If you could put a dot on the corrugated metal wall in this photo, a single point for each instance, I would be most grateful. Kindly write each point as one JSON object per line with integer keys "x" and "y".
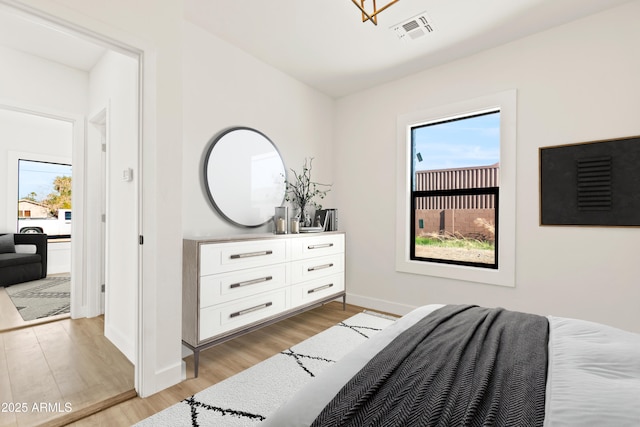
{"x": 451, "y": 179}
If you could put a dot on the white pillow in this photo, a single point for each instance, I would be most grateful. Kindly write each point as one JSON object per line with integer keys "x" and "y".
{"x": 26, "y": 249}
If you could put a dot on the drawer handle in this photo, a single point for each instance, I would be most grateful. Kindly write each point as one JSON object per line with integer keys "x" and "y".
{"x": 321, "y": 288}
{"x": 250, "y": 310}
{"x": 320, "y": 267}
{"x": 250, "y": 254}
{"x": 324, "y": 245}
{"x": 251, "y": 282}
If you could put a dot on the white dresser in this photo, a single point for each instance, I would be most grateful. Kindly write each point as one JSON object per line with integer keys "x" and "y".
{"x": 232, "y": 286}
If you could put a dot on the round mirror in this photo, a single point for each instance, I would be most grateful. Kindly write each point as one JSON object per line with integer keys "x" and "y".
{"x": 244, "y": 176}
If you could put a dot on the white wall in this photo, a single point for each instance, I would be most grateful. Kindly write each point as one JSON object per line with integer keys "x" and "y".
{"x": 58, "y": 257}
{"x": 113, "y": 86}
{"x": 575, "y": 83}
{"x": 225, "y": 87}
{"x": 30, "y": 80}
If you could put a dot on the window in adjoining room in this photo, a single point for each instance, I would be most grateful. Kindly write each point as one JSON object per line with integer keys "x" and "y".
{"x": 455, "y": 190}
{"x": 44, "y": 198}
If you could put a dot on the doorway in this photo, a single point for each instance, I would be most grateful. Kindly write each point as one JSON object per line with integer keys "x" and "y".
{"x": 106, "y": 209}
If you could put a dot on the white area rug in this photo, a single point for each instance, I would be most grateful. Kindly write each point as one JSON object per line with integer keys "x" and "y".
{"x": 42, "y": 298}
{"x": 249, "y": 397}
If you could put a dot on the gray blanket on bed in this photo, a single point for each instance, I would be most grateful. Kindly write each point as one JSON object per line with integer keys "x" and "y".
{"x": 458, "y": 366}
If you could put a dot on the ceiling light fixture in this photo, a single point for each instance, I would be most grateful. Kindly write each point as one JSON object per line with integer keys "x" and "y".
{"x": 371, "y": 16}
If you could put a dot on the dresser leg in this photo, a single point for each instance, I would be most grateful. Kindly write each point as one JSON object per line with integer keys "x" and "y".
{"x": 196, "y": 361}
{"x": 344, "y": 302}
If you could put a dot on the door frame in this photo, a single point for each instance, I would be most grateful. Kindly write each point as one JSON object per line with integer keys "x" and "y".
{"x": 96, "y": 143}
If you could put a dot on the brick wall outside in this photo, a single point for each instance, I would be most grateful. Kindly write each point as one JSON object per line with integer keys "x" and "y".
{"x": 456, "y": 221}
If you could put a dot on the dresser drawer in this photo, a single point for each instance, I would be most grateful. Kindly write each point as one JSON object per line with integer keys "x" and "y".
{"x": 222, "y": 257}
{"x": 309, "y": 269}
{"x": 222, "y": 318}
{"x": 219, "y": 288}
{"x": 317, "y": 245}
{"x": 310, "y": 291}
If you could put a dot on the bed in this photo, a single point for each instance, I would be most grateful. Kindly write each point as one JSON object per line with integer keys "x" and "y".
{"x": 468, "y": 365}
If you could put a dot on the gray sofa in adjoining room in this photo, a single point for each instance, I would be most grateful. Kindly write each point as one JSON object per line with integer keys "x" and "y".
{"x": 22, "y": 266}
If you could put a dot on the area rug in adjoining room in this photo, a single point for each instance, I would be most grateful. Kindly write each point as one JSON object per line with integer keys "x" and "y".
{"x": 247, "y": 398}
{"x": 42, "y": 298}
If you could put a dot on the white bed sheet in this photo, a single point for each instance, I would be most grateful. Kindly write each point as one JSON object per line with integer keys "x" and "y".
{"x": 593, "y": 377}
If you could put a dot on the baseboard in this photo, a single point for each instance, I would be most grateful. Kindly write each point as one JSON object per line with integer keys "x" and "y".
{"x": 379, "y": 304}
{"x": 186, "y": 352}
{"x": 169, "y": 376}
{"x": 121, "y": 342}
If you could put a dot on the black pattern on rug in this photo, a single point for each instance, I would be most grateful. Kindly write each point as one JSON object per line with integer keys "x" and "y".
{"x": 195, "y": 404}
{"x": 359, "y": 329}
{"x": 299, "y": 357}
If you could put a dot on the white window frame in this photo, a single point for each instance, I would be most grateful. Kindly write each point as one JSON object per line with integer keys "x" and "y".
{"x": 504, "y": 275}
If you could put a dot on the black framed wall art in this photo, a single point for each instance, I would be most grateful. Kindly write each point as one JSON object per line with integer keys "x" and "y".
{"x": 594, "y": 183}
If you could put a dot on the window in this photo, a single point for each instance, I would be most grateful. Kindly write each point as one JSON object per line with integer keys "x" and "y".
{"x": 456, "y": 191}
{"x": 44, "y": 198}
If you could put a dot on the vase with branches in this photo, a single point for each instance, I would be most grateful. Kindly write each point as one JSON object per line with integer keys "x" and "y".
{"x": 301, "y": 191}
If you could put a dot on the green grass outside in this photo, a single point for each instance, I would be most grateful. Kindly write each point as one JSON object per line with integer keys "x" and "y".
{"x": 454, "y": 243}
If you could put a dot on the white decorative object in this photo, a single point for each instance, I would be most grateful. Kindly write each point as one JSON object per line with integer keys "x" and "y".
{"x": 280, "y": 220}
{"x": 295, "y": 226}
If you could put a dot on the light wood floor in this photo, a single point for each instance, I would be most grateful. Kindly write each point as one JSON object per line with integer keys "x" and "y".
{"x": 67, "y": 362}
{"x": 225, "y": 360}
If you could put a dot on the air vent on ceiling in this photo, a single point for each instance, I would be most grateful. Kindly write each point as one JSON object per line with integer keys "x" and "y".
{"x": 414, "y": 28}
